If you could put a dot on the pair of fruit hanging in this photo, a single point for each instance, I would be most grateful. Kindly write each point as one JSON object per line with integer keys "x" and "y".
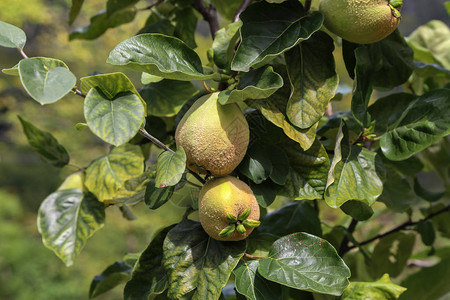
{"x": 215, "y": 137}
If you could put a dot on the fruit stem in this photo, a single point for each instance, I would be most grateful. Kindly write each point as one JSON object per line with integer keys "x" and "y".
{"x": 206, "y": 87}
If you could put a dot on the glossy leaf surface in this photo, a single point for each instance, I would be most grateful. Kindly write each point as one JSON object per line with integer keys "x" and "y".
{"x": 303, "y": 261}
{"x": 66, "y": 219}
{"x": 196, "y": 262}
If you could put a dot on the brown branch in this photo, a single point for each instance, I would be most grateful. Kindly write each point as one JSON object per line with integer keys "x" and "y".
{"x": 308, "y": 5}
{"x": 241, "y": 8}
{"x": 154, "y": 140}
{"x": 400, "y": 227}
{"x": 78, "y": 92}
{"x": 209, "y": 15}
{"x": 344, "y": 244}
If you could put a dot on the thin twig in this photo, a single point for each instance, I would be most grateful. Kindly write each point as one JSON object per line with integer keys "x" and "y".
{"x": 189, "y": 210}
{"x": 76, "y": 166}
{"x": 162, "y": 145}
{"x": 198, "y": 177}
{"x": 151, "y": 5}
{"x": 78, "y": 92}
{"x": 308, "y": 5}
{"x": 154, "y": 140}
{"x": 344, "y": 244}
{"x": 209, "y": 15}
{"x": 241, "y": 8}
{"x": 400, "y": 227}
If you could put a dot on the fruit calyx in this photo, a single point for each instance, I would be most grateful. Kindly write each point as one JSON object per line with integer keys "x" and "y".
{"x": 239, "y": 223}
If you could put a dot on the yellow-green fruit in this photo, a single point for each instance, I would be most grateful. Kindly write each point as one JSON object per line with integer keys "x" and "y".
{"x": 214, "y": 136}
{"x": 359, "y": 21}
{"x": 220, "y": 197}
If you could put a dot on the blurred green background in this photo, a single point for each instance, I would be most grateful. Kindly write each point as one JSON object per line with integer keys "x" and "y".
{"x": 28, "y": 270}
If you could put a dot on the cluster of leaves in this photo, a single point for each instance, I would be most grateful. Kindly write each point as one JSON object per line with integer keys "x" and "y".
{"x": 278, "y": 65}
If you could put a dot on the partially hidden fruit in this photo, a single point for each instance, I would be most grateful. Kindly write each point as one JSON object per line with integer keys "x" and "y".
{"x": 215, "y": 137}
{"x": 361, "y": 21}
{"x": 228, "y": 209}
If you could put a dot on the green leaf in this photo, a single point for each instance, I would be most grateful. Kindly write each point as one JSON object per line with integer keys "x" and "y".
{"x": 391, "y": 254}
{"x": 147, "y": 78}
{"x": 132, "y": 191}
{"x": 196, "y": 262}
{"x": 165, "y": 98}
{"x": 117, "y": 120}
{"x": 75, "y": 10}
{"x": 274, "y": 110}
{"x": 251, "y": 284}
{"x": 106, "y": 175}
{"x": 306, "y": 262}
{"x": 387, "y": 110}
{"x": 382, "y": 289}
{"x": 110, "y": 84}
{"x": 170, "y": 168}
{"x": 386, "y": 64}
{"x": 256, "y": 84}
{"x": 224, "y": 43}
{"x": 227, "y": 9}
{"x": 45, "y": 144}
{"x": 66, "y": 219}
{"x": 427, "y": 233}
{"x": 280, "y": 163}
{"x": 430, "y": 70}
{"x": 111, "y": 277}
{"x": 149, "y": 276}
{"x": 424, "y": 122}
{"x": 297, "y": 216}
{"x": 155, "y": 197}
{"x": 265, "y": 193}
{"x": 354, "y": 174}
{"x": 46, "y": 81}
{"x": 313, "y": 78}
{"x": 159, "y": 55}
{"x": 430, "y": 43}
{"x": 308, "y": 173}
{"x": 185, "y": 25}
{"x": 13, "y": 71}
{"x": 271, "y": 29}
{"x": 357, "y": 210}
{"x": 256, "y": 164}
{"x": 101, "y": 22}
{"x": 426, "y": 194}
{"x": 113, "y": 6}
{"x": 11, "y": 36}
{"x": 428, "y": 283}
{"x": 397, "y": 193}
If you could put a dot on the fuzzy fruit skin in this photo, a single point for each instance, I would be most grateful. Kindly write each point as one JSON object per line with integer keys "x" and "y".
{"x": 222, "y": 196}
{"x": 215, "y": 137}
{"x": 359, "y": 21}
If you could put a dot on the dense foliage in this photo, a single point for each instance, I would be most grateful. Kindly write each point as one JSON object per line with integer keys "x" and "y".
{"x": 276, "y": 61}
